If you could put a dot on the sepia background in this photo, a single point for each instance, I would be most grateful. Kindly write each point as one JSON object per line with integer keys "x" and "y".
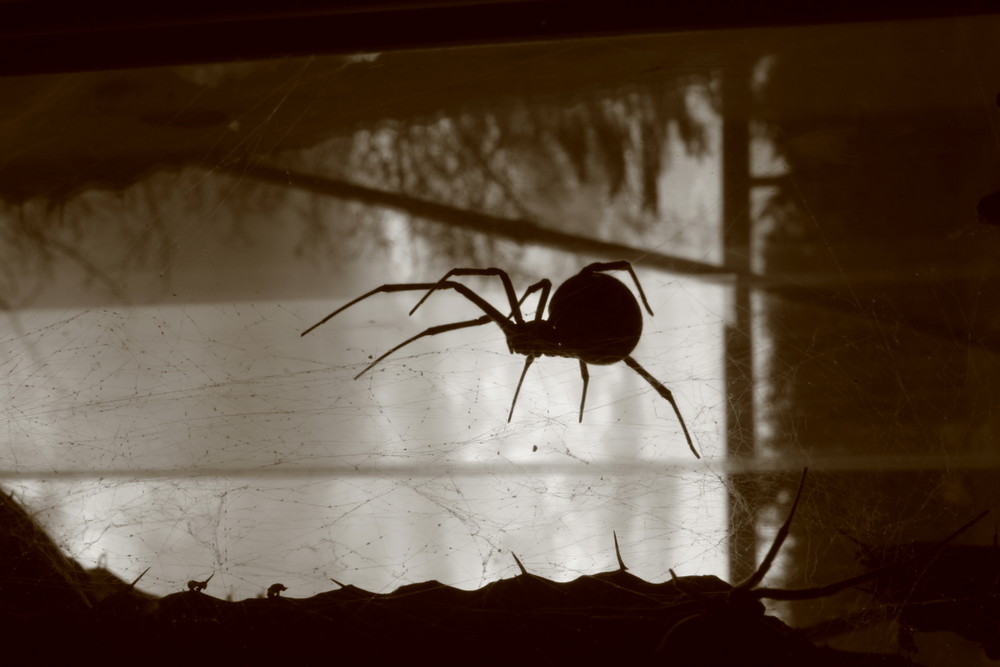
{"x": 800, "y": 206}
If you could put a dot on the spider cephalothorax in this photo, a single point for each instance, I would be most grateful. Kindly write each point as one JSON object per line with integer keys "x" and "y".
{"x": 593, "y": 318}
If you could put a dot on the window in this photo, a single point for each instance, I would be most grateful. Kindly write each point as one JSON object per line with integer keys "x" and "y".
{"x": 800, "y": 208}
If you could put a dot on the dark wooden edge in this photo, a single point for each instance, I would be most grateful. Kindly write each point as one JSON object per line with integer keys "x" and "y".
{"x": 38, "y": 36}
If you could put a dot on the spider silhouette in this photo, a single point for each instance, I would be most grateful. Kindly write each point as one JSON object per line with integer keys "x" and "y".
{"x": 593, "y": 318}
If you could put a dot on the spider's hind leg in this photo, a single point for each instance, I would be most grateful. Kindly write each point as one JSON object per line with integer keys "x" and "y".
{"x": 665, "y": 393}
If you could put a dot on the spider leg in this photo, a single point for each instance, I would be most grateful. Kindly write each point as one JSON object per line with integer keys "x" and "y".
{"x": 619, "y": 266}
{"x": 524, "y": 371}
{"x": 433, "y": 331}
{"x": 545, "y": 285}
{"x": 586, "y": 380}
{"x": 508, "y": 287}
{"x": 665, "y": 393}
{"x": 483, "y": 304}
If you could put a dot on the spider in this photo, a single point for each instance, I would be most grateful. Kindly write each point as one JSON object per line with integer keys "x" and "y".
{"x": 593, "y": 318}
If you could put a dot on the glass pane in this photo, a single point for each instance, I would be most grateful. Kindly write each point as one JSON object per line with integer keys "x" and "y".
{"x": 807, "y": 211}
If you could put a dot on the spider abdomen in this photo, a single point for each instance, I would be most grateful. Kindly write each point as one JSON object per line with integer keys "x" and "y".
{"x": 595, "y": 318}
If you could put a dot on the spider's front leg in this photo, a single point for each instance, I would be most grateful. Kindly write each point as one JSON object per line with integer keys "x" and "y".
{"x": 483, "y": 304}
{"x": 508, "y": 288}
{"x": 545, "y": 286}
{"x": 491, "y": 314}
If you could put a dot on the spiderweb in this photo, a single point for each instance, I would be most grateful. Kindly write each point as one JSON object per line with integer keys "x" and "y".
{"x": 163, "y": 412}
{"x": 228, "y": 439}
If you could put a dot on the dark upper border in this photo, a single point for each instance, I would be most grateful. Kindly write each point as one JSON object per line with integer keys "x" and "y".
{"x": 38, "y": 36}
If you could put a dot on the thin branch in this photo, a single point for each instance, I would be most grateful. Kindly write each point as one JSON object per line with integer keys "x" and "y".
{"x": 519, "y": 230}
{"x": 810, "y": 290}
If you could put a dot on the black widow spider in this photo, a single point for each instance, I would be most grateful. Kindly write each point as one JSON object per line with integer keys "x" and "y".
{"x": 593, "y": 318}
